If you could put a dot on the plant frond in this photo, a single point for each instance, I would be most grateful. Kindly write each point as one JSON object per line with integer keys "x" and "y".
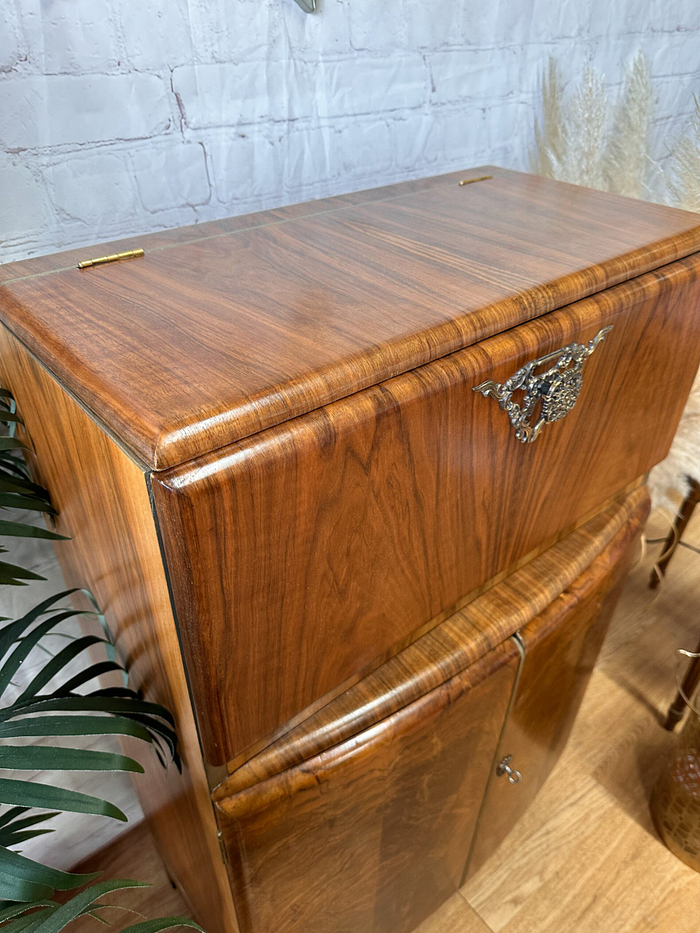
{"x": 585, "y": 132}
{"x": 12, "y": 575}
{"x": 626, "y": 158}
{"x": 73, "y": 726}
{"x": 20, "y": 530}
{"x": 55, "y": 920}
{"x": 58, "y": 758}
{"x": 24, "y": 646}
{"x": 684, "y": 178}
{"x": 58, "y": 662}
{"x": 547, "y": 157}
{"x": 48, "y": 797}
{"x": 10, "y": 500}
{"x": 26, "y": 886}
{"x": 17, "y": 828}
{"x": 14, "y": 865}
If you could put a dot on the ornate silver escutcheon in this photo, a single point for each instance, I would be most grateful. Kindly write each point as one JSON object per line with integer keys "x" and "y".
{"x": 556, "y": 390}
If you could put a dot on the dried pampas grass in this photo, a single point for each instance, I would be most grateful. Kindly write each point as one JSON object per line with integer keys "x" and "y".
{"x": 685, "y": 166}
{"x": 586, "y": 122}
{"x": 581, "y": 139}
{"x": 627, "y": 161}
{"x": 550, "y": 143}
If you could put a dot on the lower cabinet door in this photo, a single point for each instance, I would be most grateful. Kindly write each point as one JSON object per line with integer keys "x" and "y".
{"x": 561, "y": 647}
{"x": 370, "y": 831}
{"x": 374, "y": 834}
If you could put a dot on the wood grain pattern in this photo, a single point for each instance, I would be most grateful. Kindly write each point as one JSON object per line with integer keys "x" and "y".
{"x": 389, "y": 811}
{"x": 455, "y": 916}
{"x": 561, "y": 646}
{"x": 299, "y": 556}
{"x": 213, "y": 339}
{"x": 103, "y": 504}
{"x": 618, "y": 874}
{"x": 585, "y": 857}
{"x": 371, "y": 836}
{"x": 459, "y": 641}
{"x": 166, "y": 239}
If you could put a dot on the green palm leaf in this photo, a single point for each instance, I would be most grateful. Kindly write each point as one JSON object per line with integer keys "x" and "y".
{"x": 74, "y": 725}
{"x": 18, "y": 530}
{"x": 64, "y": 657}
{"x": 14, "y": 816}
{"x": 9, "y": 462}
{"x": 90, "y": 673}
{"x": 15, "y": 838}
{"x": 24, "y": 487}
{"x": 33, "y": 794}
{"x": 80, "y": 904}
{"x": 12, "y": 575}
{"x": 10, "y": 633}
{"x": 57, "y": 758}
{"x": 14, "y": 865}
{"x": 16, "y": 889}
{"x": 91, "y": 703}
{"x": 15, "y": 910}
{"x": 166, "y": 923}
{"x": 62, "y": 712}
{"x": 24, "y": 646}
{"x": 11, "y": 443}
{"x": 16, "y": 829}
{"x": 9, "y": 815}
{"x": 11, "y": 500}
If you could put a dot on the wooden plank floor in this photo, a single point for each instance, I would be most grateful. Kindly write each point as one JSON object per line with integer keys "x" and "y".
{"x": 585, "y": 858}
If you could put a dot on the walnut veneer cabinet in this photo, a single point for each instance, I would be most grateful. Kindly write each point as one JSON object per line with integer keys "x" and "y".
{"x": 357, "y": 483}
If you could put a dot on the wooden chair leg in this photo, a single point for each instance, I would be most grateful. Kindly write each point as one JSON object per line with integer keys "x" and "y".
{"x": 690, "y": 684}
{"x": 674, "y": 537}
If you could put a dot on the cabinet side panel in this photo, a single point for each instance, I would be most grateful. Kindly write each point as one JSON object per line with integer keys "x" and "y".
{"x": 103, "y": 503}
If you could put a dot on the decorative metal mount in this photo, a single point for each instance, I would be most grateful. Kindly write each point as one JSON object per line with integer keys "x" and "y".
{"x": 557, "y": 390}
{"x": 308, "y": 6}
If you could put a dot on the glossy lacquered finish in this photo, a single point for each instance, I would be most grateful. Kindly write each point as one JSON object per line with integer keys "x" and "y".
{"x": 315, "y": 541}
{"x": 561, "y": 646}
{"x": 452, "y": 646}
{"x": 209, "y": 339}
{"x": 103, "y": 504}
{"x": 318, "y": 547}
{"x": 372, "y": 834}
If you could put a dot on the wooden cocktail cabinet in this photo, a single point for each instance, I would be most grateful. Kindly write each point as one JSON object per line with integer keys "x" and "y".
{"x": 356, "y": 483}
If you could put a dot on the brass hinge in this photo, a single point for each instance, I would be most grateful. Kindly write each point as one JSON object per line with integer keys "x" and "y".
{"x": 470, "y": 181}
{"x": 115, "y": 257}
{"x": 222, "y": 847}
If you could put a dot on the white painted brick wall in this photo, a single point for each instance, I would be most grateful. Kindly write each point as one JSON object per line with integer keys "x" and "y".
{"x": 118, "y": 117}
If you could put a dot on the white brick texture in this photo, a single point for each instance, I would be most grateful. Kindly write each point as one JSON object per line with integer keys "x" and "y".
{"x": 119, "y": 118}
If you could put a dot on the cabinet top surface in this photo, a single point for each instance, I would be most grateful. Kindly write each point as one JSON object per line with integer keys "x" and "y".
{"x": 226, "y": 328}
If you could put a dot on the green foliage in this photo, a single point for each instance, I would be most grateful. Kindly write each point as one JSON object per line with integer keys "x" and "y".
{"x": 55, "y": 704}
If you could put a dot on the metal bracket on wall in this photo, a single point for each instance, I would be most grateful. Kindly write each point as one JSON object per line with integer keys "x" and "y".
{"x": 308, "y": 6}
